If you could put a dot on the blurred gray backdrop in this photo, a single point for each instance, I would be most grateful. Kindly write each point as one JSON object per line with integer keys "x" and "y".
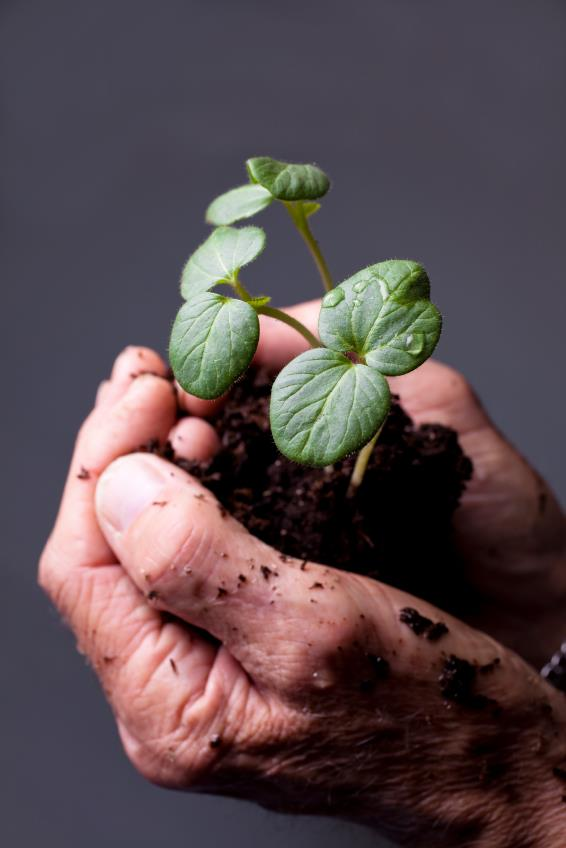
{"x": 443, "y": 126}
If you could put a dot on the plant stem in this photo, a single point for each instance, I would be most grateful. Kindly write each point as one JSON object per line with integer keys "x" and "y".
{"x": 241, "y": 290}
{"x": 279, "y": 315}
{"x": 300, "y": 220}
{"x": 362, "y": 464}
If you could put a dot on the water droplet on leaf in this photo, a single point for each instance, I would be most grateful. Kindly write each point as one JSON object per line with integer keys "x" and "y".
{"x": 361, "y": 286}
{"x": 414, "y": 343}
{"x": 333, "y": 298}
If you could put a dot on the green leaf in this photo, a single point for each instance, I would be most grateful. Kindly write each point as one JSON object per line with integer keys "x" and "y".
{"x": 405, "y": 336}
{"x": 287, "y": 181}
{"x": 403, "y": 278}
{"x": 220, "y": 257}
{"x": 383, "y": 314}
{"x": 212, "y": 342}
{"x": 309, "y": 208}
{"x": 324, "y": 407}
{"x": 237, "y": 204}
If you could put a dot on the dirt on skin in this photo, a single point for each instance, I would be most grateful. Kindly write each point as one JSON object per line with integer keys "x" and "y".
{"x": 397, "y": 528}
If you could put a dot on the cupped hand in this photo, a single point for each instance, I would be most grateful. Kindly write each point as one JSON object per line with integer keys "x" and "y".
{"x": 234, "y": 670}
{"x": 510, "y": 529}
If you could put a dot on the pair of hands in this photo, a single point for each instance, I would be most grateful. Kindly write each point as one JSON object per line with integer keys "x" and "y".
{"x": 227, "y": 682}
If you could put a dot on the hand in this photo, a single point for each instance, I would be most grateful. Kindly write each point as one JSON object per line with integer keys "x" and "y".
{"x": 233, "y": 670}
{"x": 510, "y": 529}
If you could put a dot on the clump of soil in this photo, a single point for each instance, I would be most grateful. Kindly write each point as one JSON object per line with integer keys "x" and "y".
{"x": 457, "y": 683}
{"x": 398, "y": 526}
{"x": 423, "y": 626}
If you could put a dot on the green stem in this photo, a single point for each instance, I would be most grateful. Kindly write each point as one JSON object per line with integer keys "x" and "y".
{"x": 362, "y": 464}
{"x": 300, "y": 220}
{"x": 278, "y": 314}
{"x": 241, "y": 290}
{"x": 272, "y": 312}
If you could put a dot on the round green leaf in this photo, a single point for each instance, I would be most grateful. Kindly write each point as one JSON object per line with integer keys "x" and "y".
{"x": 220, "y": 257}
{"x": 383, "y": 314}
{"x": 237, "y": 204}
{"x": 287, "y": 181}
{"x": 324, "y": 407}
{"x": 348, "y": 314}
{"x": 212, "y": 343}
{"x": 401, "y": 278}
{"x": 404, "y": 337}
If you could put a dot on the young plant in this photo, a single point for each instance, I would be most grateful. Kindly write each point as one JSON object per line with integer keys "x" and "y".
{"x": 333, "y": 399}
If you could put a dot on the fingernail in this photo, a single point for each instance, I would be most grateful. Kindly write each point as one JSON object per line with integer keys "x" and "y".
{"x": 127, "y": 487}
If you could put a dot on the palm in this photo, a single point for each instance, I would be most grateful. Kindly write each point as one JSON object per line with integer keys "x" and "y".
{"x": 510, "y": 530}
{"x": 508, "y": 515}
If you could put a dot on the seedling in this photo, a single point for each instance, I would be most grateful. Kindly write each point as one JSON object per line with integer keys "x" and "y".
{"x": 333, "y": 399}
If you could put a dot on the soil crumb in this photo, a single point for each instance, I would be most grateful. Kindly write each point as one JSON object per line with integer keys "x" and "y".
{"x": 457, "y": 683}
{"x": 422, "y": 626}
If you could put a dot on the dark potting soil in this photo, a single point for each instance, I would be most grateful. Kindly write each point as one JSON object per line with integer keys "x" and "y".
{"x": 397, "y": 528}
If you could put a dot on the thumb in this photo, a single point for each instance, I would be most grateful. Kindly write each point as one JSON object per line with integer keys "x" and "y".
{"x": 189, "y": 557}
{"x": 298, "y": 629}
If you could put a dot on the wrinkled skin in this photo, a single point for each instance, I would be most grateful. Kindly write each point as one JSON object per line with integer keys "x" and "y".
{"x": 263, "y": 683}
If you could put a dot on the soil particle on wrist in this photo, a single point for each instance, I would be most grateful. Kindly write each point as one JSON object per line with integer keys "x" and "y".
{"x": 397, "y": 529}
{"x": 421, "y": 625}
{"x": 437, "y": 631}
{"x": 457, "y": 683}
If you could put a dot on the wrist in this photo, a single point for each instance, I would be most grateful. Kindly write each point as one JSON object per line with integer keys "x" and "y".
{"x": 516, "y": 798}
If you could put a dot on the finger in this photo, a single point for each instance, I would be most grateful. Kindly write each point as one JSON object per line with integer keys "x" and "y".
{"x": 279, "y": 343}
{"x": 146, "y": 411}
{"x": 194, "y": 439}
{"x": 437, "y": 392}
{"x": 126, "y": 640}
{"x": 197, "y": 406}
{"x": 131, "y": 363}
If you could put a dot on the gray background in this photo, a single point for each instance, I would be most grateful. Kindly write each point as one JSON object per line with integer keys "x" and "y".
{"x": 443, "y": 125}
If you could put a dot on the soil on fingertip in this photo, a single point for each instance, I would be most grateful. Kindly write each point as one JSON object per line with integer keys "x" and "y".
{"x": 397, "y": 528}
